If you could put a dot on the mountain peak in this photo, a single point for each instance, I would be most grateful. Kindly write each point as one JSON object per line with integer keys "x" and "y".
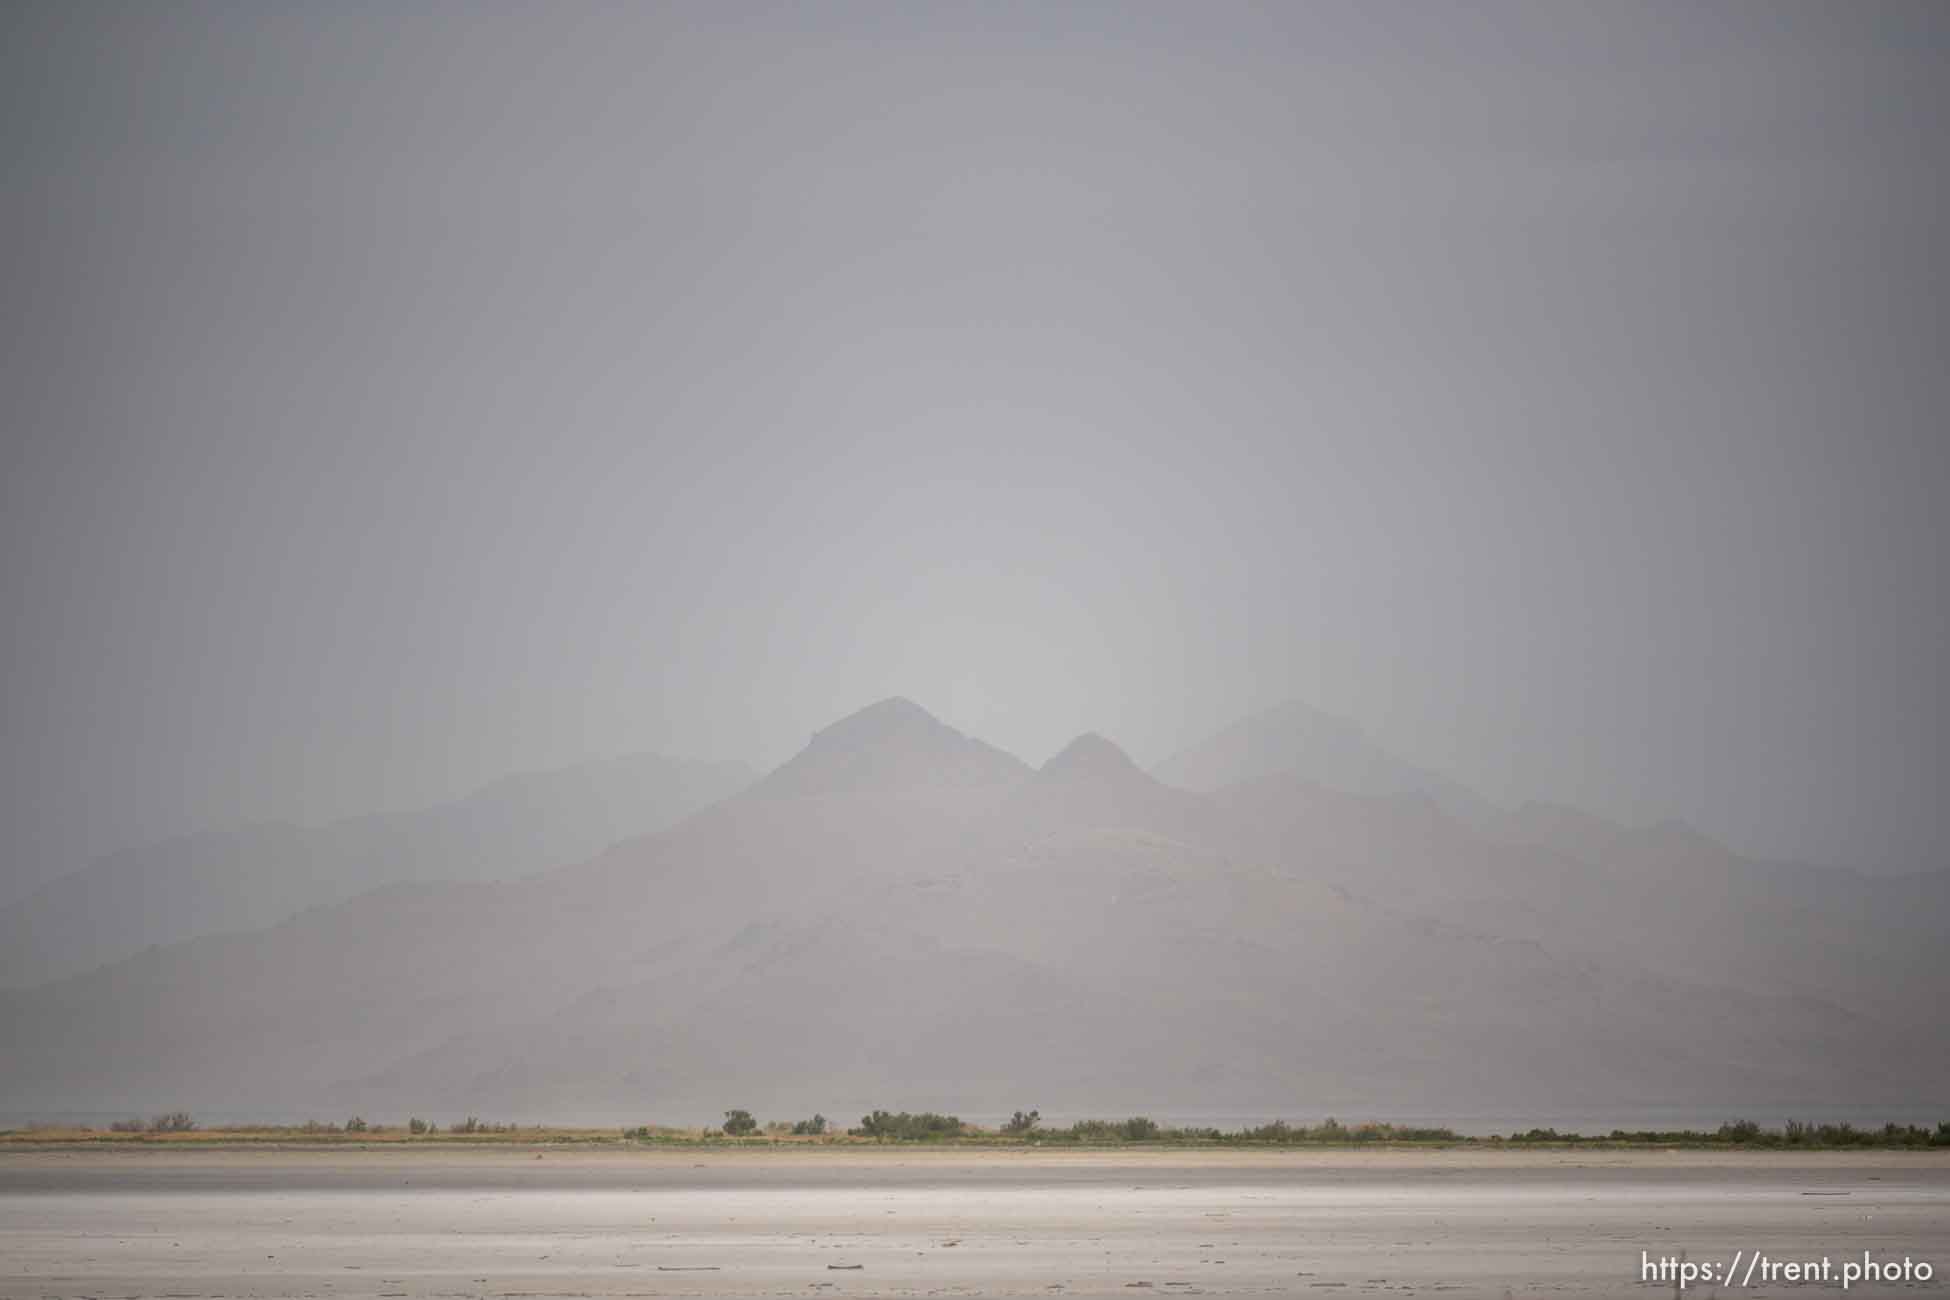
{"x": 885, "y": 721}
{"x": 1091, "y": 756}
{"x": 889, "y": 746}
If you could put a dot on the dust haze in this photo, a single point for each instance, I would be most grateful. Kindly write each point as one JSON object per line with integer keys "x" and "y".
{"x": 600, "y": 562}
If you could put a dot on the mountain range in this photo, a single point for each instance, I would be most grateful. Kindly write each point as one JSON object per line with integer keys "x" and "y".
{"x": 254, "y": 876}
{"x": 904, "y": 915}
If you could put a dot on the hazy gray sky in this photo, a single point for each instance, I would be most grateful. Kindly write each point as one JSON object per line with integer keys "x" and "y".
{"x": 397, "y": 396}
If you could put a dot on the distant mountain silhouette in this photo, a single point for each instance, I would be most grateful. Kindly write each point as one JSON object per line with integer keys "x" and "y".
{"x": 1296, "y": 740}
{"x": 902, "y": 915}
{"x": 256, "y": 875}
{"x": 892, "y": 745}
{"x": 1090, "y": 757}
{"x": 1091, "y": 782}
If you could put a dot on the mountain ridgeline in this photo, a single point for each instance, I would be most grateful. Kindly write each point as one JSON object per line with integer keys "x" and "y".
{"x": 1281, "y": 924}
{"x": 255, "y": 876}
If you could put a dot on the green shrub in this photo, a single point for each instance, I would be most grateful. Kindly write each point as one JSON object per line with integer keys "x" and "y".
{"x": 1022, "y": 1123}
{"x": 1427, "y": 1134}
{"x": 906, "y": 1127}
{"x": 1135, "y": 1129}
{"x": 1543, "y": 1135}
{"x": 814, "y": 1127}
{"x": 739, "y": 1123}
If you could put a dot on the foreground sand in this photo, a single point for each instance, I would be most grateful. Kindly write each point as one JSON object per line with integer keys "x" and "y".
{"x": 509, "y": 1221}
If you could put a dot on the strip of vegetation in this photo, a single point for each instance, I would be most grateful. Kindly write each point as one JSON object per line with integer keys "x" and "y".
{"x": 176, "y": 1121}
{"x": 1743, "y": 1132}
{"x": 1024, "y": 1128}
{"x": 1027, "y": 1127}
